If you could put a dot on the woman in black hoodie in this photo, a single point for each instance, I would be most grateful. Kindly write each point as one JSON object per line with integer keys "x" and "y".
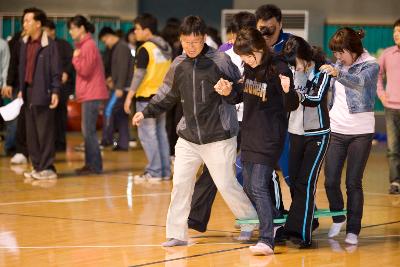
{"x": 268, "y": 95}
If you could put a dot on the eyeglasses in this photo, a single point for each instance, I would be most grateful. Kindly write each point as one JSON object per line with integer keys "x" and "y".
{"x": 192, "y": 43}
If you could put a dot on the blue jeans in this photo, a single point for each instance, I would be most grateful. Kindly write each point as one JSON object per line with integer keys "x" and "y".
{"x": 90, "y": 112}
{"x": 153, "y": 137}
{"x": 392, "y": 117}
{"x": 356, "y": 149}
{"x": 11, "y": 131}
{"x": 257, "y": 179}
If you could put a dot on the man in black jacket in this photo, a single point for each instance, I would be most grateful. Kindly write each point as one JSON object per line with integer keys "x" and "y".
{"x": 39, "y": 80}
{"x": 207, "y": 131}
{"x": 121, "y": 65}
{"x": 13, "y": 89}
{"x": 65, "y": 52}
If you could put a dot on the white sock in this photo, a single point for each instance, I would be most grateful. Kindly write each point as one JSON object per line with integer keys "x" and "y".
{"x": 335, "y": 229}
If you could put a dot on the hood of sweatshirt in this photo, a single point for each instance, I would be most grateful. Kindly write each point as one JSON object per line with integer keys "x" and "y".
{"x": 165, "y": 48}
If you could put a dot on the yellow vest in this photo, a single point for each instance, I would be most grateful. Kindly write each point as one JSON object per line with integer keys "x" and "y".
{"x": 155, "y": 72}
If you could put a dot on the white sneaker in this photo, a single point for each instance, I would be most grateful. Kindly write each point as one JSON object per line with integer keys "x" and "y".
{"x": 146, "y": 177}
{"x": 261, "y": 249}
{"x": 45, "y": 175}
{"x": 166, "y": 178}
{"x": 335, "y": 229}
{"x": 29, "y": 175}
{"x": 351, "y": 239}
{"x": 19, "y": 158}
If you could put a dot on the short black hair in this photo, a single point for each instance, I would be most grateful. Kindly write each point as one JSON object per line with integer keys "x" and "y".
{"x": 147, "y": 21}
{"x": 242, "y": 20}
{"x": 105, "y": 31}
{"x": 193, "y": 25}
{"x": 38, "y": 14}
{"x": 397, "y": 23}
{"x": 266, "y": 12}
{"x": 49, "y": 24}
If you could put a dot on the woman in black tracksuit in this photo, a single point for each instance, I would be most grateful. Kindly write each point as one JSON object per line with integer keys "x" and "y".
{"x": 266, "y": 101}
{"x": 309, "y": 134}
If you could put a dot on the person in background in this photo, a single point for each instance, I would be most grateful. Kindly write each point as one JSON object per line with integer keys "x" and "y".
{"x": 90, "y": 89}
{"x": 389, "y": 72}
{"x": 6, "y": 95}
{"x": 152, "y": 62}
{"x": 121, "y": 74}
{"x": 40, "y": 83}
{"x": 170, "y": 33}
{"x": 352, "y": 127}
{"x": 13, "y": 88}
{"x": 65, "y": 52}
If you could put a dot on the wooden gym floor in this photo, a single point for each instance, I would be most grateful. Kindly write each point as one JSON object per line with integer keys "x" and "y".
{"x": 108, "y": 220}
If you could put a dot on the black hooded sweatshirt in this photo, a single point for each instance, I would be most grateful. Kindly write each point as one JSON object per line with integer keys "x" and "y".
{"x": 265, "y": 119}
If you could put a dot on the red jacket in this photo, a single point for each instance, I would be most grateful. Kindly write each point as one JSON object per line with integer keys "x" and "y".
{"x": 90, "y": 79}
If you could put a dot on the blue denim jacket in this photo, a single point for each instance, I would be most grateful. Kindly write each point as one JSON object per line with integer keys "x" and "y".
{"x": 360, "y": 83}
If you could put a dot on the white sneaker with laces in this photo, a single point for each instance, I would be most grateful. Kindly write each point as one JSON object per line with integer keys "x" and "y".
{"x": 19, "y": 158}
{"x": 45, "y": 175}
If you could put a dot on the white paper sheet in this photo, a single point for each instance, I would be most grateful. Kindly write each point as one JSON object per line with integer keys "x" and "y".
{"x": 10, "y": 111}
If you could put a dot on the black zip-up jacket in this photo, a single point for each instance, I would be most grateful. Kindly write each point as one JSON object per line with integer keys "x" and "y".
{"x": 47, "y": 73}
{"x": 265, "y": 122}
{"x": 207, "y": 116}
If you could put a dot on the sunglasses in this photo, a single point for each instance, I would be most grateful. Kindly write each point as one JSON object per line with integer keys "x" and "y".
{"x": 267, "y": 31}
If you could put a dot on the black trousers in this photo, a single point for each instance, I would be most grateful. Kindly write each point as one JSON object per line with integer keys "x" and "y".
{"x": 21, "y": 145}
{"x": 61, "y": 117}
{"x": 305, "y": 160}
{"x": 356, "y": 148}
{"x": 204, "y": 196}
{"x": 40, "y": 131}
{"x": 117, "y": 122}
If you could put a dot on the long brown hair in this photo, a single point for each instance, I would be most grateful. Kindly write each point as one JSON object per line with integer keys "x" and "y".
{"x": 250, "y": 40}
{"x": 347, "y": 39}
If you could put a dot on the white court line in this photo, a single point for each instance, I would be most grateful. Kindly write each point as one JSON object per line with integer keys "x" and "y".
{"x": 80, "y": 199}
{"x": 112, "y": 246}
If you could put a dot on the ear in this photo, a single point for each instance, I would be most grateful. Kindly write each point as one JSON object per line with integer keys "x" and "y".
{"x": 38, "y": 24}
{"x": 280, "y": 25}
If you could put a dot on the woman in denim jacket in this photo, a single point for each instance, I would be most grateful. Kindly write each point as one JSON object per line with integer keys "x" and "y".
{"x": 352, "y": 127}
